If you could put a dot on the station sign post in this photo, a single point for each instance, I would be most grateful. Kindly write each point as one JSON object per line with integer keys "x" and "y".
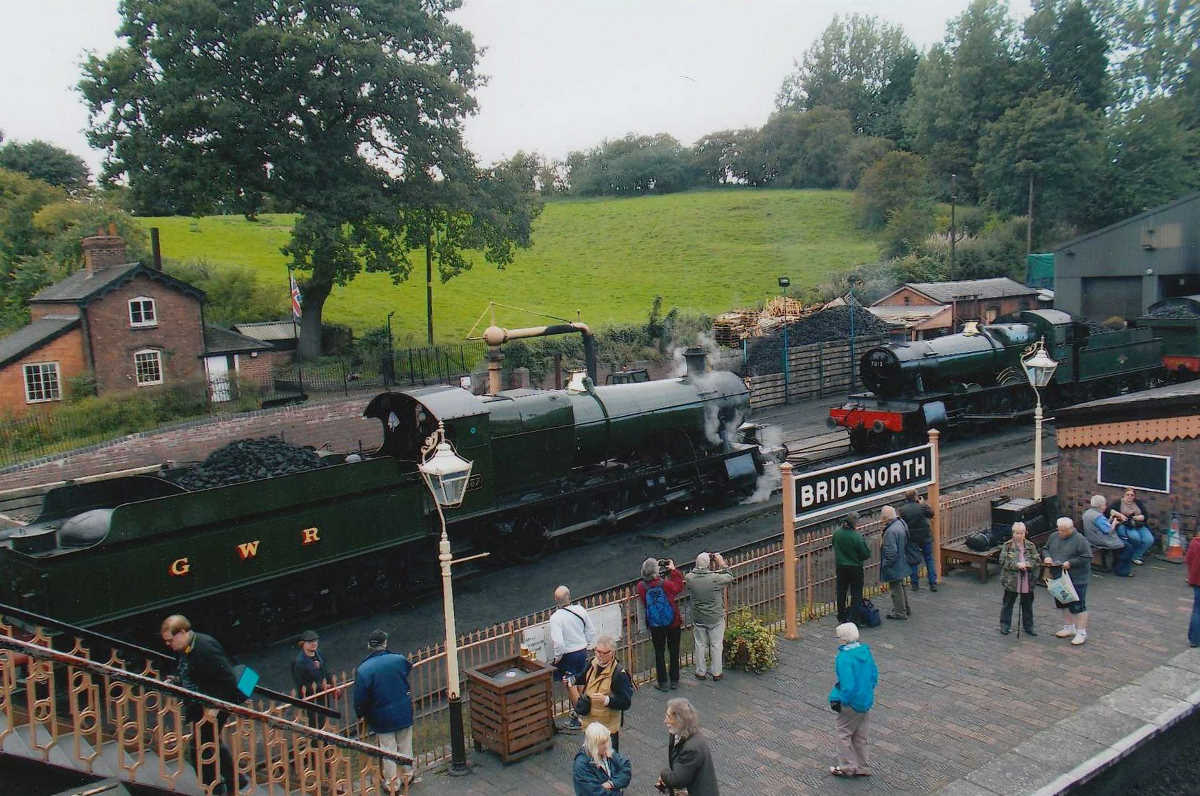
{"x": 821, "y": 494}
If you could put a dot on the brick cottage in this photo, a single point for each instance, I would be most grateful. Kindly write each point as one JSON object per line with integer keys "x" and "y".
{"x": 130, "y": 326}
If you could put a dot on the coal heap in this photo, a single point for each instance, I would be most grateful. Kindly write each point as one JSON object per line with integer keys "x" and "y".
{"x": 764, "y": 354}
{"x": 249, "y": 460}
{"x": 1174, "y": 309}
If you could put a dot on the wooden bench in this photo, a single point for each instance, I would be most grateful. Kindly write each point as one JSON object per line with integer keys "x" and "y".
{"x": 957, "y": 554}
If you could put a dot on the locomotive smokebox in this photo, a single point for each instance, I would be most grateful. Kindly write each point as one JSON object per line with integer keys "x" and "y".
{"x": 697, "y": 362}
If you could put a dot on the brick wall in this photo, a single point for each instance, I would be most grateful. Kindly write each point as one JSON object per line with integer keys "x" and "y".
{"x": 1077, "y": 480}
{"x": 179, "y": 336}
{"x": 339, "y": 423}
{"x": 66, "y": 350}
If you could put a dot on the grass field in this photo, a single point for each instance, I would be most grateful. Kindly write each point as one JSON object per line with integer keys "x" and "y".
{"x": 604, "y": 259}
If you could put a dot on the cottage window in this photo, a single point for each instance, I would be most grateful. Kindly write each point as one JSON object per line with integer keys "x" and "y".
{"x": 148, "y": 366}
{"x": 142, "y": 312}
{"x": 42, "y": 383}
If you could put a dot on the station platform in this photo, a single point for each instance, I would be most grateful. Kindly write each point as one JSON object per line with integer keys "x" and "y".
{"x": 960, "y": 709}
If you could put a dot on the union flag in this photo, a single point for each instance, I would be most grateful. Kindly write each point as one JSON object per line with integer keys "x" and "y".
{"x": 295, "y": 296}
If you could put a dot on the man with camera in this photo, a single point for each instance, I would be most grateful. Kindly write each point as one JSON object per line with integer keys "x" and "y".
{"x": 707, "y": 587}
{"x": 607, "y": 690}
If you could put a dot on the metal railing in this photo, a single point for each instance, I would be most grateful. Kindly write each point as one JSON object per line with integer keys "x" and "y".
{"x": 758, "y": 586}
{"x": 102, "y": 718}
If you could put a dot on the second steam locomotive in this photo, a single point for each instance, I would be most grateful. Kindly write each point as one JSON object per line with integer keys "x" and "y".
{"x": 977, "y": 376}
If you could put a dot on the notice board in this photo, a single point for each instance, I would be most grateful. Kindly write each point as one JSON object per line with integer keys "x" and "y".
{"x": 1138, "y": 470}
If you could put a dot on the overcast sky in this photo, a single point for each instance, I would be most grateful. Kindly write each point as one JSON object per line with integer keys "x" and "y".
{"x": 563, "y": 74}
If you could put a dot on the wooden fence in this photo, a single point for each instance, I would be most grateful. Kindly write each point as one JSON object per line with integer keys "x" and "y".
{"x": 758, "y": 586}
{"x": 813, "y": 371}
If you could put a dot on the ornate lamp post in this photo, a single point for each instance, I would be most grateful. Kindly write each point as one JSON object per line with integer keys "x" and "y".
{"x": 1039, "y": 369}
{"x": 446, "y": 474}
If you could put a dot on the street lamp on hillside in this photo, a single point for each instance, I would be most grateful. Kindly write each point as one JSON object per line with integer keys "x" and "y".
{"x": 1039, "y": 369}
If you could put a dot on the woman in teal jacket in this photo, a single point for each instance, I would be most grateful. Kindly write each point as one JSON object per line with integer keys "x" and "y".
{"x": 851, "y": 698}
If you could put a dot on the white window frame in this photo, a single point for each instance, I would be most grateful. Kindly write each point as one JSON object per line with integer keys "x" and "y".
{"x": 29, "y": 399}
{"x": 137, "y": 376}
{"x": 142, "y": 301}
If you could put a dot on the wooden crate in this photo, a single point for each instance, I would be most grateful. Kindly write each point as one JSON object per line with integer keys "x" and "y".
{"x": 512, "y": 716}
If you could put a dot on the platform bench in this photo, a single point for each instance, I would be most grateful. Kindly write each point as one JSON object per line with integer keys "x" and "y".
{"x": 957, "y": 554}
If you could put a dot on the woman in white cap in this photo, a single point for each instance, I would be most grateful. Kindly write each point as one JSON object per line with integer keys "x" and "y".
{"x": 852, "y": 696}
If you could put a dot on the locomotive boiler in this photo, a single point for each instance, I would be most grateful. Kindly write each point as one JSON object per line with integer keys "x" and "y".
{"x": 259, "y": 555}
{"x": 976, "y": 376}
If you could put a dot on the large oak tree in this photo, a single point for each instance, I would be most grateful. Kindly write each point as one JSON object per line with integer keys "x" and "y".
{"x": 347, "y": 111}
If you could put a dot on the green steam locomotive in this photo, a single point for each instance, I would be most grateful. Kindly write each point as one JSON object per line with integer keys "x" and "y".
{"x": 257, "y": 556}
{"x": 976, "y": 376}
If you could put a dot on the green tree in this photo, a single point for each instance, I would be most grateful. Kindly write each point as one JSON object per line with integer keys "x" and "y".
{"x": 1068, "y": 45}
{"x": 492, "y": 213}
{"x": 805, "y": 149}
{"x": 233, "y": 294}
{"x": 895, "y": 180}
{"x": 48, "y": 163}
{"x": 859, "y": 64}
{"x": 1153, "y": 158}
{"x": 961, "y": 86}
{"x": 1158, "y": 42}
{"x": 341, "y": 110}
{"x": 633, "y": 165}
{"x": 718, "y": 157}
{"x": 1052, "y": 140}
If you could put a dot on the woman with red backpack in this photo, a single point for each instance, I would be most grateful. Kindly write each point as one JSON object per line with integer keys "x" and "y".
{"x": 661, "y": 583}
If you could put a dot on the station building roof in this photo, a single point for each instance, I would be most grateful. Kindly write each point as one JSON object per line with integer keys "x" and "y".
{"x": 1170, "y": 412}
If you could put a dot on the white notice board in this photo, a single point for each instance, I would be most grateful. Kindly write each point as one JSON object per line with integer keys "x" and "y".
{"x": 606, "y": 618}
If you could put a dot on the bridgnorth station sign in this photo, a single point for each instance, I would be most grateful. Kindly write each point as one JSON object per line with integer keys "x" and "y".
{"x": 839, "y": 489}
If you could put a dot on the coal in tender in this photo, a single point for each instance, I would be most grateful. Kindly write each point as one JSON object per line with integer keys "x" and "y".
{"x": 249, "y": 460}
{"x": 764, "y": 354}
{"x": 1175, "y": 309}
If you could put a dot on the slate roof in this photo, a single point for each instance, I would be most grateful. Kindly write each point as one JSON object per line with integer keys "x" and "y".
{"x": 998, "y": 287}
{"x": 34, "y": 336}
{"x": 81, "y": 287}
{"x": 224, "y": 341}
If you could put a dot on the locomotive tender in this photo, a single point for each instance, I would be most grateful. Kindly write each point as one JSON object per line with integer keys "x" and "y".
{"x": 257, "y": 555}
{"x": 976, "y": 376}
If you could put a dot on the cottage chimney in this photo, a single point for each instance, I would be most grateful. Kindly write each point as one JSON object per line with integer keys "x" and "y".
{"x": 101, "y": 251}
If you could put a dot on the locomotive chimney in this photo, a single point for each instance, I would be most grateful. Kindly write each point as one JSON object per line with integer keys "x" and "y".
{"x": 697, "y": 362}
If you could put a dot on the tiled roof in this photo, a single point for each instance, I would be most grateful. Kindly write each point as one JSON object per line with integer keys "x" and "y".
{"x": 35, "y": 335}
{"x": 81, "y": 287}
{"x": 946, "y": 292}
{"x": 224, "y": 341}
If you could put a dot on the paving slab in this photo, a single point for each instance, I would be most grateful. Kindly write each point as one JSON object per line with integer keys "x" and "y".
{"x": 960, "y": 709}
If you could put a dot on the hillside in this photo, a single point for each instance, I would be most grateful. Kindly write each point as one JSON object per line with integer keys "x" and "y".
{"x": 607, "y": 258}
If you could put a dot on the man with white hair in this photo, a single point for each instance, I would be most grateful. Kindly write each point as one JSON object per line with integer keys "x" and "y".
{"x": 894, "y": 567}
{"x": 707, "y": 587}
{"x": 571, "y": 634}
{"x": 1101, "y": 535}
{"x": 1067, "y": 551}
{"x": 851, "y": 697}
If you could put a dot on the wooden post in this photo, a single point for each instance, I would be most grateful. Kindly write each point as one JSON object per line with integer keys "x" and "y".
{"x": 935, "y": 502}
{"x": 789, "y": 551}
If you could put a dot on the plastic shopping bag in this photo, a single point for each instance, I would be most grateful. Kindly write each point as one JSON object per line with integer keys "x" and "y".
{"x": 1062, "y": 589}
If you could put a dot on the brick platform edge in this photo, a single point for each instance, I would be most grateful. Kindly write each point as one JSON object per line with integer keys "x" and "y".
{"x": 1082, "y": 746}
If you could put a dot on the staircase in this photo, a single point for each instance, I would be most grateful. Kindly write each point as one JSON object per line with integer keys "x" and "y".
{"x": 111, "y": 721}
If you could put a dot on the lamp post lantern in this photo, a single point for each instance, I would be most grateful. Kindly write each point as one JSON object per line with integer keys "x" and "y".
{"x": 1039, "y": 369}
{"x": 447, "y": 474}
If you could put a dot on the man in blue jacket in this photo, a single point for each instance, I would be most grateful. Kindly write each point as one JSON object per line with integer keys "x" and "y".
{"x": 852, "y": 696}
{"x": 383, "y": 698}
